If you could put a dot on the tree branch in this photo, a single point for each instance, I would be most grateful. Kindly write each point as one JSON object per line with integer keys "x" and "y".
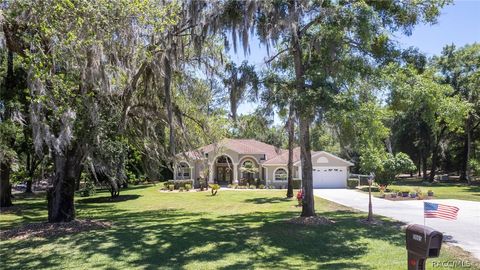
{"x": 276, "y": 55}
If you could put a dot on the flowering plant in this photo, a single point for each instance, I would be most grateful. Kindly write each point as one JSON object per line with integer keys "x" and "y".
{"x": 300, "y": 197}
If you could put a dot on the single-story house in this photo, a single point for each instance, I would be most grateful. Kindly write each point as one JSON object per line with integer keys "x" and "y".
{"x": 232, "y": 160}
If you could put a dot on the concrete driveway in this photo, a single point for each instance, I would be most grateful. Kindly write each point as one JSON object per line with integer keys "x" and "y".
{"x": 464, "y": 232}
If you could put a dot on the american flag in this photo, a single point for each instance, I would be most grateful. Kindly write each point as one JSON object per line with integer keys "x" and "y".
{"x": 436, "y": 210}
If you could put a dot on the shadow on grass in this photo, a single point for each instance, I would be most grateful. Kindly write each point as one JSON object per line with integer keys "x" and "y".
{"x": 263, "y": 200}
{"x": 109, "y": 199}
{"x": 173, "y": 238}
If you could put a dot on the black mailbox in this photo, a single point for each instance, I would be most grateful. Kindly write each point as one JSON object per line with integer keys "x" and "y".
{"x": 422, "y": 242}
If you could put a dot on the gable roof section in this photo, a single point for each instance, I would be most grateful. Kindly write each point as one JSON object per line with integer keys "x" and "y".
{"x": 282, "y": 159}
{"x": 332, "y": 156}
{"x": 240, "y": 146}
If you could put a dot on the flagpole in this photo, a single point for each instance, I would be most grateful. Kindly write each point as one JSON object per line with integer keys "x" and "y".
{"x": 424, "y": 231}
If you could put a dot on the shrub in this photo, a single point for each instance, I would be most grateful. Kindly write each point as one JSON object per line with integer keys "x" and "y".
{"x": 171, "y": 187}
{"x": 353, "y": 183}
{"x": 179, "y": 183}
{"x": 385, "y": 166}
{"x": 89, "y": 189}
{"x": 474, "y": 166}
{"x": 297, "y": 183}
{"x": 252, "y": 187}
{"x": 181, "y": 189}
{"x": 261, "y": 186}
{"x": 215, "y": 188}
{"x": 188, "y": 187}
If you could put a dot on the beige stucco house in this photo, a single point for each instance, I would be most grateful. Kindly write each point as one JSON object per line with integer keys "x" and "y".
{"x": 232, "y": 160}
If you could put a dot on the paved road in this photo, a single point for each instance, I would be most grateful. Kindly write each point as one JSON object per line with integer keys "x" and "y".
{"x": 465, "y": 231}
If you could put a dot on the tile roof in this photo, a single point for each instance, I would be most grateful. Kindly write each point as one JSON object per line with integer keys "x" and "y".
{"x": 283, "y": 157}
{"x": 245, "y": 146}
{"x": 273, "y": 155}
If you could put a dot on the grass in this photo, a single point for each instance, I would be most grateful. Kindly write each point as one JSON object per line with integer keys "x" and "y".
{"x": 448, "y": 190}
{"x": 233, "y": 230}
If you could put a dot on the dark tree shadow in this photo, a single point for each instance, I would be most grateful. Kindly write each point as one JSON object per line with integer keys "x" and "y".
{"x": 175, "y": 237}
{"x": 109, "y": 199}
{"x": 264, "y": 200}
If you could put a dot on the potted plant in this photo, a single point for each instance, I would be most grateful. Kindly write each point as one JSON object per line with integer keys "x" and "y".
{"x": 430, "y": 193}
{"x": 405, "y": 193}
{"x": 413, "y": 195}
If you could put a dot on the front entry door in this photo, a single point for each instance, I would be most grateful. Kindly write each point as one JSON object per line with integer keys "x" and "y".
{"x": 224, "y": 175}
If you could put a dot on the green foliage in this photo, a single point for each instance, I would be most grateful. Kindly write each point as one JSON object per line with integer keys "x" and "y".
{"x": 323, "y": 139}
{"x": 475, "y": 166}
{"x": 386, "y": 166}
{"x": 214, "y": 188}
{"x": 353, "y": 183}
{"x": 297, "y": 183}
{"x": 188, "y": 187}
{"x": 179, "y": 183}
{"x": 259, "y": 127}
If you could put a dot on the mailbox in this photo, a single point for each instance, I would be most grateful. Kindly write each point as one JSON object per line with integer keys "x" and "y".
{"x": 422, "y": 242}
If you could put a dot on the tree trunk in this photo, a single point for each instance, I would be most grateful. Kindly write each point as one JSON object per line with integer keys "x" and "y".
{"x": 61, "y": 207}
{"x": 168, "y": 100}
{"x": 469, "y": 153}
{"x": 291, "y": 134}
{"x": 436, "y": 148}
{"x": 419, "y": 164}
{"x": 424, "y": 167}
{"x": 308, "y": 206}
{"x": 5, "y": 187}
{"x": 30, "y": 174}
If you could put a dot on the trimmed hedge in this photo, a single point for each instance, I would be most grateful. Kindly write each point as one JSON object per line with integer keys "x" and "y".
{"x": 179, "y": 183}
{"x": 353, "y": 183}
{"x": 297, "y": 183}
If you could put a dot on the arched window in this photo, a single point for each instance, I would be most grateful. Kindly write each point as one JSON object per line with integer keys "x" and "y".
{"x": 183, "y": 171}
{"x": 249, "y": 170}
{"x": 224, "y": 160}
{"x": 280, "y": 175}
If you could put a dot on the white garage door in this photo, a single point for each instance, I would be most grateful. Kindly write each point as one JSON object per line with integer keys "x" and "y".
{"x": 329, "y": 177}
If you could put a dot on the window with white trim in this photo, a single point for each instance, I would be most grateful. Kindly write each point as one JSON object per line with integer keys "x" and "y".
{"x": 280, "y": 175}
{"x": 183, "y": 171}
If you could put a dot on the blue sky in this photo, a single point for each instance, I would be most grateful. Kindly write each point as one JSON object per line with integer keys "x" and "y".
{"x": 458, "y": 23}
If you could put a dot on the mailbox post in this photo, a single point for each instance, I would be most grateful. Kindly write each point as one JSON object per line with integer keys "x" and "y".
{"x": 422, "y": 242}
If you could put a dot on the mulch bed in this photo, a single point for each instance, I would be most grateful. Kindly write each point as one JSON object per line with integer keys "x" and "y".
{"x": 46, "y": 230}
{"x": 406, "y": 198}
{"x": 311, "y": 221}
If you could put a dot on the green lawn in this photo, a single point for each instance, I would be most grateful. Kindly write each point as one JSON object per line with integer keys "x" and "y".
{"x": 233, "y": 230}
{"x": 441, "y": 190}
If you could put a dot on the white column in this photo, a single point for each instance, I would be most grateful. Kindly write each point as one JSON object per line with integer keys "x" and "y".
{"x": 235, "y": 173}
{"x": 210, "y": 174}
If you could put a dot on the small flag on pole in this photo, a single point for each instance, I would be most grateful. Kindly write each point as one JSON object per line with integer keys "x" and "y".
{"x": 436, "y": 210}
